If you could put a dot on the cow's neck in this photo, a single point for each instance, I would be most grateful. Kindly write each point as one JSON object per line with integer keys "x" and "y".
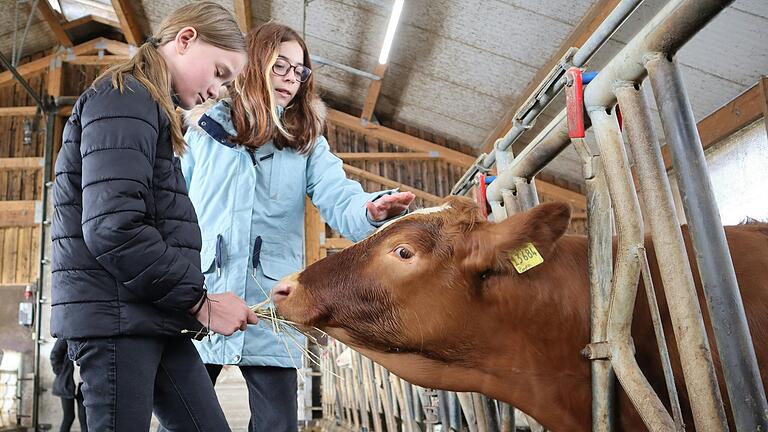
{"x": 529, "y": 346}
{"x": 537, "y": 359}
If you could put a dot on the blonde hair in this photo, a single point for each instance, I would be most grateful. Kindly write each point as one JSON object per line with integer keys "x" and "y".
{"x": 254, "y": 109}
{"x": 214, "y": 25}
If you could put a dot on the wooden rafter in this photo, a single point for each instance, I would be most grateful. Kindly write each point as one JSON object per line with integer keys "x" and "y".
{"x": 374, "y": 88}
{"x": 84, "y": 48}
{"x": 419, "y": 145}
{"x": 128, "y": 22}
{"x": 244, "y": 15}
{"x": 399, "y": 138}
{"x": 53, "y": 20}
{"x": 359, "y": 172}
{"x": 89, "y": 19}
{"x": 731, "y": 117}
{"x": 387, "y": 156}
{"x": 578, "y": 36}
{"x": 97, "y": 60}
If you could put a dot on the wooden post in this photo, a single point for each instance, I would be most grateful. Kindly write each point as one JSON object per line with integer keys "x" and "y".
{"x": 314, "y": 233}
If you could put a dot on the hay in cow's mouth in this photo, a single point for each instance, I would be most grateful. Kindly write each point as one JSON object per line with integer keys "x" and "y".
{"x": 279, "y": 324}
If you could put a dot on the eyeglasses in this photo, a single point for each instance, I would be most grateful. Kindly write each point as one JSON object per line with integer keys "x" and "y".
{"x": 283, "y": 66}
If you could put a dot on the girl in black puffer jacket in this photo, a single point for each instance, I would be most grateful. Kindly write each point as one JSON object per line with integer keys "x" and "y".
{"x": 126, "y": 277}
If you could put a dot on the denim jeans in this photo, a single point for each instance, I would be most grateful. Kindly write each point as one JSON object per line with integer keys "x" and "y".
{"x": 126, "y": 378}
{"x": 271, "y": 397}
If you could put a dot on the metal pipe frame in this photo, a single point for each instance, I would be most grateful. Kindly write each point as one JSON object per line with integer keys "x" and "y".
{"x": 667, "y": 32}
{"x": 718, "y": 277}
{"x": 547, "y": 145}
{"x": 672, "y": 259}
{"x": 600, "y": 237}
{"x": 549, "y": 89}
{"x": 629, "y": 224}
{"x": 670, "y": 29}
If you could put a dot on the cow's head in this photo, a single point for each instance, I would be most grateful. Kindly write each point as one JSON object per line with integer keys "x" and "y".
{"x": 424, "y": 284}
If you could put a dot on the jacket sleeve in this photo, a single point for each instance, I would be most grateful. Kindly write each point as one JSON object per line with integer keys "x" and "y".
{"x": 341, "y": 201}
{"x": 59, "y": 355}
{"x": 118, "y": 146}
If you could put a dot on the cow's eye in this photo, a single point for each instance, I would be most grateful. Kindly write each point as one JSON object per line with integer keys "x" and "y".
{"x": 403, "y": 253}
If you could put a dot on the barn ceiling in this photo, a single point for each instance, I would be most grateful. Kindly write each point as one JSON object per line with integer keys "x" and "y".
{"x": 458, "y": 66}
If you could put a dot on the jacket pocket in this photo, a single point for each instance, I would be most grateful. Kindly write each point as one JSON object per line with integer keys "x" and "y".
{"x": 208, "y": 256}
{"x": 276, "y": 270}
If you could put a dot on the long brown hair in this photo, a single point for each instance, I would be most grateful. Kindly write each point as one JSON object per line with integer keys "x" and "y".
{"x": 214, "y": 25}
{"x": 254, "y": 111}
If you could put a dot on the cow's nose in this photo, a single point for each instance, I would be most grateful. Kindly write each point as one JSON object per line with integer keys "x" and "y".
{"x": 281, "y": 291}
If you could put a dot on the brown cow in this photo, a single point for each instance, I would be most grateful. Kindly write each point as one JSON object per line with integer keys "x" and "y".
{"x": 434, "y": 298}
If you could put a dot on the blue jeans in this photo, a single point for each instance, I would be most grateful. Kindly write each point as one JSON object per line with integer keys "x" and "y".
{"x": 126, "y": 378}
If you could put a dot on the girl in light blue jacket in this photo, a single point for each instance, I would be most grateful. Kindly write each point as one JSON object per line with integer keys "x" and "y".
{"x": 251, "y": 161}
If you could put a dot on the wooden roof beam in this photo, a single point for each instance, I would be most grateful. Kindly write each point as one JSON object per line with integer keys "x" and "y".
{"x": 128, "y": 23}
{"x": 244, "y": 15}
{"x": 52, "y": 18}
{"x": 92, "y": 46}
{"x": 374, "y": 88}
{"x": 399, "y": 138}
{"x": 386, "y": 156}
{"x": 451, "y": 156}
{"x": 359, "y": 172}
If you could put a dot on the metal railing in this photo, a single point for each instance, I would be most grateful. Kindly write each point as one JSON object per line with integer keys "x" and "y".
{"x": 650, "y": 52}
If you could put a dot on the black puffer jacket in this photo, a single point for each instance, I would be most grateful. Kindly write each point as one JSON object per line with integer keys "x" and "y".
{"x": 126, "y": 244}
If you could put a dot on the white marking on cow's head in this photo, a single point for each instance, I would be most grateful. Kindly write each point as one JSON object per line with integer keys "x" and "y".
{"x": 422, "y": 211}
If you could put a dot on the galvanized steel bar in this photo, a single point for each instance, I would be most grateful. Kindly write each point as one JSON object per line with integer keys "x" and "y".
{"x": 726, "y": 310}
{"x": 550, "y": 88}
{"x": 548, "y": 144}
{"x": 669, "y": 30}
{"x": 345, "y": 68}
{"x": 672, "y": 259}
{"x": 600, "y": 250}
{"x": 626, "y": 211}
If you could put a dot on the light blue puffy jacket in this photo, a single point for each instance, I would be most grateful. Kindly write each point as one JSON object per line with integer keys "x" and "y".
{"x": 239, "y": 195}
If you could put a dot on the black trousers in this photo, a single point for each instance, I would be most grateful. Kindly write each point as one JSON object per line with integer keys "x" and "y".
{"x": 125, "y": 379}
{"x": 271, "y": 397}
{"x": 68, "y": 408}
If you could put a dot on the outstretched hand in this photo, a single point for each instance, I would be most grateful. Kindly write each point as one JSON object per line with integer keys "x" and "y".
{"x": 389, "y": 205}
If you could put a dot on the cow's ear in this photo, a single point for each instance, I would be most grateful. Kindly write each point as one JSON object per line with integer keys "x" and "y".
{"x": 489, "y": 245}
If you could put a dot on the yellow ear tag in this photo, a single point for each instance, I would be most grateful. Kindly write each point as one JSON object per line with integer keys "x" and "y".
{"x": 525, "y": 258}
